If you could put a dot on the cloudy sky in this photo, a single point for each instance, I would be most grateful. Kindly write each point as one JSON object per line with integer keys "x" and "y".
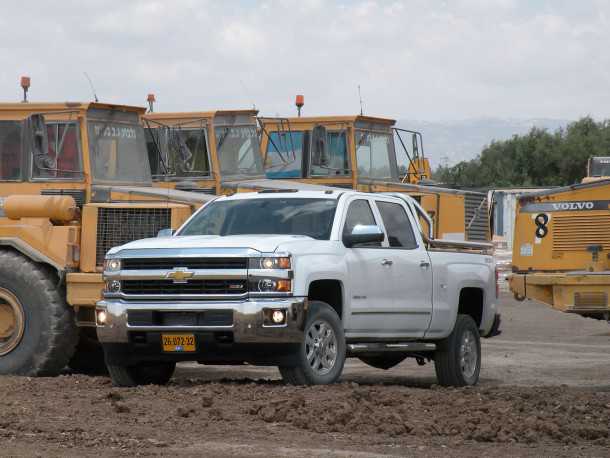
{"x": 414, "y": 59}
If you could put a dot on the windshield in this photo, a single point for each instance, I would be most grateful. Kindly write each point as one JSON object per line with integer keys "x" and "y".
{"x": 600, "y": 167}
{"x": 373, "y": 152}
{"x": 178, "y": 152}
{"x": 292, "y": 216}
{"x": 238, "y": 151}
{"x": 284, "y": 155}
{"x": 118, "y": 149}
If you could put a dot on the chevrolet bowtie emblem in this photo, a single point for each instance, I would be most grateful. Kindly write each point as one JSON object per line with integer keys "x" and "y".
{"x": 180, "y": 275}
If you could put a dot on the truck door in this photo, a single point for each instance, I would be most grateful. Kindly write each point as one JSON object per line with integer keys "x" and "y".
{"x": 369, "y": 273}
{"x": 411, "y": 285}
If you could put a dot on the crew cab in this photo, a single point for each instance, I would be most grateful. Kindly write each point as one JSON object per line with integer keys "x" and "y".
{"x": 301, "y": 280}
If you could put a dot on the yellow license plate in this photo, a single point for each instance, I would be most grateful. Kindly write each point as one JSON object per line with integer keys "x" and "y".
{"x": 178, "y": 342}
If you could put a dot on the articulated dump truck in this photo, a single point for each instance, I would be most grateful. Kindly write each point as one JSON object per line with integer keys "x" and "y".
{"x": 359, "y": 152}
{"x": 561, "y": 248}
{"x": 74, "y": 182}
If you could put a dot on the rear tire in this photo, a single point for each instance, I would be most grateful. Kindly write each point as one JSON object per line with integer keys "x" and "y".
{"x": 38, "y": 332}
{"x": 141, "y": 374}
{"x": 457, "y": 359}
{"x": 321, "y": 355}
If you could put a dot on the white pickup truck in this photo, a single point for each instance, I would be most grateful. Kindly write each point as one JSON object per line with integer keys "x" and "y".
{"x": 300, "y": 280}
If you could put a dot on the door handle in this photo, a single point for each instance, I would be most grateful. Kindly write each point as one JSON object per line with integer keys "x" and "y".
{"x": 387, "y": 262}
{"x": 424, "y": 264}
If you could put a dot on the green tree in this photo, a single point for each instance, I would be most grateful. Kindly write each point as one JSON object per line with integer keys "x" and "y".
{"x": 538, "y": 158}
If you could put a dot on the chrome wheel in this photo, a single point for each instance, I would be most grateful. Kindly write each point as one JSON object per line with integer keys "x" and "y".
{"x": 321, "y": 347}
{"x": 12, "y": 322}
{"x": 469, "y": 354}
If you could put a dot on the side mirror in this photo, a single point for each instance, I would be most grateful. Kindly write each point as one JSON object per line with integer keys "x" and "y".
{"x": 165, "y": 233}
{"x": 362, "y": 234}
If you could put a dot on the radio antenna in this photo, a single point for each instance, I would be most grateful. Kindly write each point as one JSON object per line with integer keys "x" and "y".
{"x": 91, "y": 85}
{"x": 360, "y": 97}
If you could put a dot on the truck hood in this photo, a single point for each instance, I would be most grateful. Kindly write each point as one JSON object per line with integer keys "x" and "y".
{"x": 262, "y": 243}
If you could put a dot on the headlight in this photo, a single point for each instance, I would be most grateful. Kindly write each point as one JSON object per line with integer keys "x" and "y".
{"x": 269, "y": 263}
{"x": 270, "y": 285}
{"x": 113, "y": 286}
{"x": 112, "y": 265}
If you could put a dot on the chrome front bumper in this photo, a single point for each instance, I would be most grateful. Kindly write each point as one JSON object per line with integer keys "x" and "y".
{"x": 248, "y": 319}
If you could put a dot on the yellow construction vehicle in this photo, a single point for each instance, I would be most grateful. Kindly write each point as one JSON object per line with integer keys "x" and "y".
{"x": 561, "y": 248}
{"x": 200, "y": 151}
{"x": 359, "y": 152}
{"x": 74, "y": 182}
{"x": 598, "y": 168}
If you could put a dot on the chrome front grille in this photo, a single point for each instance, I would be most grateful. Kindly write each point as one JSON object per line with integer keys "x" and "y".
{"x": 117, "y": 226}
{"x": 189, "y": 287}
{"x": 190, "y": 263}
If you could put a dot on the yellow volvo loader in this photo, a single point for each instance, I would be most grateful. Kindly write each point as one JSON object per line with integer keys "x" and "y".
{"x": 561, "y": 248}
{"x": 74, "y": 181}
{"x": 359, "y": 152}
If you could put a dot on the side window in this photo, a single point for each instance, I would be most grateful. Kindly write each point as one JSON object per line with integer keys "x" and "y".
{"x": 10, "y": 150}
{"x": 63, "y": 156}
{"x": 359, "y": 212}
{"x": 397, "y": 225}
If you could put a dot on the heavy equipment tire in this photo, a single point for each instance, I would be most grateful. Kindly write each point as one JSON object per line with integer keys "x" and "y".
{"x": 383, "y": 362}
{"x": 457, "y": 358}
{"x": 141, "y": 374}
{"x": 88, "y": 358}
{"x": 38, "y": 332}
{"x": 321, "y": 356}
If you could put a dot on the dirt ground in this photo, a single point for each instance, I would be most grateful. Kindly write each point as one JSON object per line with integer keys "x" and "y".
{"x": 544, "y": 391}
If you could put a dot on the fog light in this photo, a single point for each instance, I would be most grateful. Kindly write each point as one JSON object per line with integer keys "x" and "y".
{"x": 101, "y": 317}
{"x": 278, "y": 316}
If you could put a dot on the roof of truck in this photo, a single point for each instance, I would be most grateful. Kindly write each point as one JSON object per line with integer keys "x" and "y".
{"x": 305, "y": 194}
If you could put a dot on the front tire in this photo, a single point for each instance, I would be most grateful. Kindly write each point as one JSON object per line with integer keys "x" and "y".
{"x": 321, "y": 355}
{"x": 457, "y": 359}
{"x": 141, "y": 374}
{"x": 38, "y": 332}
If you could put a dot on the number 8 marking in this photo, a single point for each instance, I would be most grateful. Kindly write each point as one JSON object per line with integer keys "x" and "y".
{"x": 541, "y": 221}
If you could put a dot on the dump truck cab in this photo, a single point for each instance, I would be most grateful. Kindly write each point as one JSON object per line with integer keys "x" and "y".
{"x": 561, "y": 248}
{"x": 200, "y": 151}
{"x": 598, "y": 168}
{"x": 75, "y": 181}
{"x": 361, "y": 152}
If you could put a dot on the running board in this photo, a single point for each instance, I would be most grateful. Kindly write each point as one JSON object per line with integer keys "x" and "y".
{"x": 407, "y": 347}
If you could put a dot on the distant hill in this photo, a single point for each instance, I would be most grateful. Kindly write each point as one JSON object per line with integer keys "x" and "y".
{"x": 450, "y": 142}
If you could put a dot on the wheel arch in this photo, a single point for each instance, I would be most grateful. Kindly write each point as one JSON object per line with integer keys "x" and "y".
{"x": 330, "y": 291}
{"x": 27, "y": 251}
